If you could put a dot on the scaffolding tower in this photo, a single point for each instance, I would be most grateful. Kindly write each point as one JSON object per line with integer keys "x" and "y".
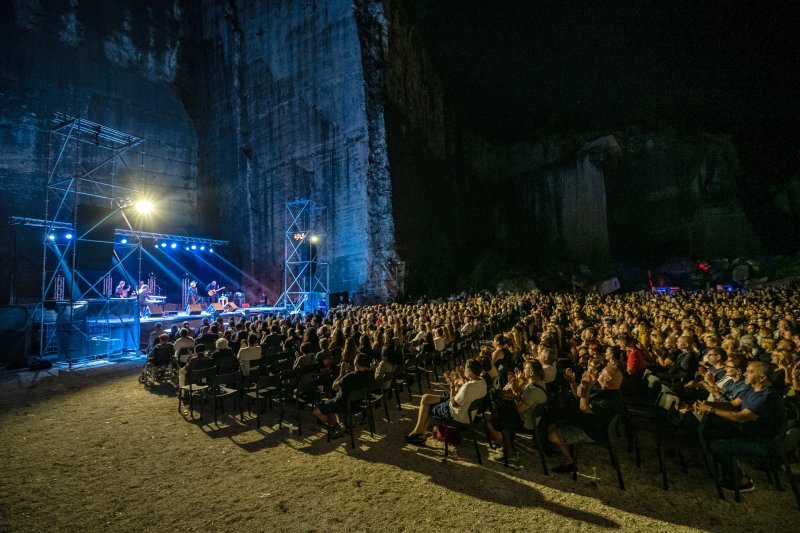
{"x": 305, "y": 271}
{"x": 84, "y": 194}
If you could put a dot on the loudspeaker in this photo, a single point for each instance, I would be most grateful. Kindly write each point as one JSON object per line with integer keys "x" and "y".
{"x": 215, "y": 307}
{"x": 194, "y": 309}
{"x": 231, "y": 307}
{"x": 155, "y": 309}
{"x": 95, "y": 223}
{"x": 169, "y": 308}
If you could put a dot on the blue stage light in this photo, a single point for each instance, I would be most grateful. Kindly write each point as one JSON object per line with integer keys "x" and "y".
{"x": 68, "y": 235}
{"x": 202, "y": 247}
{"x": 211, "y": 250}
{"x": 124, "y": 241}
{"x": 194, "y": 247}
{"x": 163, "y": 245}
{"x": 186, "y": 248}
{"x": 173, "y": 245}
{"x": 51, "y": 237}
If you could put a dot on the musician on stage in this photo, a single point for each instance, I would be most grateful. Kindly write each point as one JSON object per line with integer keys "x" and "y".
{"x": 191, "y": 294}
{"x": 212, "y": 290}
{"x": 122, "y": 291}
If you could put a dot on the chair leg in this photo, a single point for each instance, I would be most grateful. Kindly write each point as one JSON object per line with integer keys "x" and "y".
{"x": 386, "y": 407}
{"x": 774, "y": 469}
{"x": 573, "y": 451}
{"x": 792, "y": 480}
{"x": 615, "y": 462}
{"x": 540, "y": 448}
{"x": 477, "y": 449}
{"x": 661, "y": 466}
{"x": 352, "y": 431}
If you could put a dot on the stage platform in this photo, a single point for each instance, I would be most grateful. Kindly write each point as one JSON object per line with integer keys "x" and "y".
{"x": 113, "y": 337}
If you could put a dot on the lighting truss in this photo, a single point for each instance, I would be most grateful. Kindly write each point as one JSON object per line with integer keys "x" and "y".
{"x": 305, "y": 272}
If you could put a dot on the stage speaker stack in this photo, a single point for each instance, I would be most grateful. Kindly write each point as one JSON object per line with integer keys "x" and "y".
{"x": 231, "y": 307}
{"x": 155, "y": 309}
{"x": 194, "y": 309}
{"x": 215, "y": 307}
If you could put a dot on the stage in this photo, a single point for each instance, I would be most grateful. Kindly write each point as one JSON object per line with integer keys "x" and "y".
{"x": 114, "y": 336}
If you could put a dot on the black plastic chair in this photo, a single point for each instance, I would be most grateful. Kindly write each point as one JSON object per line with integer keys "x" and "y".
{"x": 198, "y": 385}
{"x": 772, "y": 456}
{"x": 608, "y": 442}
{"x": 540, "y": 414}
{"x": 477, "y": 407}
{"x": 358, "y": 398}
{"x": 227, "y": 386}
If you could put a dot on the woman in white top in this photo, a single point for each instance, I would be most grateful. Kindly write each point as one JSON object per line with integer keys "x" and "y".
{"x": 250, "y": 350}
{"x": 450, "y": 407}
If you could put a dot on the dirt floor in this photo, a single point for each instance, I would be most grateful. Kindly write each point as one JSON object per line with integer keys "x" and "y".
{"x": 92, "y": 449}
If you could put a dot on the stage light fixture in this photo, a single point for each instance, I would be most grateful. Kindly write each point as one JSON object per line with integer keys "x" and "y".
{"x": 163, "y": 245}
{"x": 202, "y": 248}
{"x": 68, "y": 235}
{"x": 314, "y": 239}
{"x": 173, "y": 245}
{"x": 194, "y": 247}
{"x": 51, "y": 237}
{"x": 211, "y": 250}
{"x": 124, "y": 241}
{"x": 144, "y": 206}
{"x": 186, "y": 247}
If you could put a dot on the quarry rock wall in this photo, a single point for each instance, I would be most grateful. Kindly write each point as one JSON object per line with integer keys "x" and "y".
{"x": 111, "y": 63}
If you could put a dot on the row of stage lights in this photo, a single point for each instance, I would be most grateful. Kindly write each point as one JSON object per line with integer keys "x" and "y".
{"x": 188, "y": 247}
{"x": 172, "y": 246}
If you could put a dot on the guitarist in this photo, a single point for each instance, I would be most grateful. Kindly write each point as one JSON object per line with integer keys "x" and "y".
{"x": 212, "y": 290}
{"x": 122, "y": 291}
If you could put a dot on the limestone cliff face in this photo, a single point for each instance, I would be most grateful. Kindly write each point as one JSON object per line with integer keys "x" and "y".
{"x": 285, "y": 96}
{"x": 111, "y": 63}
{"x": 519, "y": 206}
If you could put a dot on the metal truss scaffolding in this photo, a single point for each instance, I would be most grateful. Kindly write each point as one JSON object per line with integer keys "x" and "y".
{"x": 305, "y": 271}
{"x": 84, "y": 194}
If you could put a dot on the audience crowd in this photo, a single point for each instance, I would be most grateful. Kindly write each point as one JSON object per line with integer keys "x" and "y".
{"x": 729, "y": 357}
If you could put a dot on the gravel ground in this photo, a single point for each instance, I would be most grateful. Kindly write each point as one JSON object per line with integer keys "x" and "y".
{"x": 92, "y": 449}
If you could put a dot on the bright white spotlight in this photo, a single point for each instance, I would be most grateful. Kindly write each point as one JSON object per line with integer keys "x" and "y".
{"x": 194, "y": 247}
{"x": 314, "y": 239}
{"x": 124, "y": 241}
{"x": 51, "y": 237}
{"x": 186, "y": 248}
{"x": 211, "y": 250}
{"x": 173, "y": 245}
{"x": 202, "y": 247}
{"x": 68, "y": 235}
{"x": 144, "y": 206}
{"x": 163, "y": 245}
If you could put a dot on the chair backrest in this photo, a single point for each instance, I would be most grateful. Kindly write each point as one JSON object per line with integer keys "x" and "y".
{"x": 477, "y": 406}
{"x": 539, "y": 413}
{"x": 202, "y": 376}
{"x": 355, "y": 395}
{"x": 230, "y": 379}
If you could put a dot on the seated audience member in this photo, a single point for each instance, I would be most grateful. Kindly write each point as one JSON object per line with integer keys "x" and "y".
{"x": 591, "y": 422}
{"x": 464, "y": 388}
{"x": 304, "y": 356}
{"x": 748, "y": 423}
{"x": 523, "y": 393}
{"x": 223, "y": 353}
{"x": 249, "y": 351}
{"x": 155, "y": 335}
{"x": 163, "y": 351}
{"x": 633, "y": 358}
{"x": 184, "y": 345}
{"x": 732, "y": 385}
{"x": 199, "y": 359}
{"x": 547, "y": 357}
{"x": 327, "y": 410}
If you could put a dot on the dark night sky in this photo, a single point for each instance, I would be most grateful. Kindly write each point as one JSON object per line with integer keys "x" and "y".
{"x": 517, "y": 68}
